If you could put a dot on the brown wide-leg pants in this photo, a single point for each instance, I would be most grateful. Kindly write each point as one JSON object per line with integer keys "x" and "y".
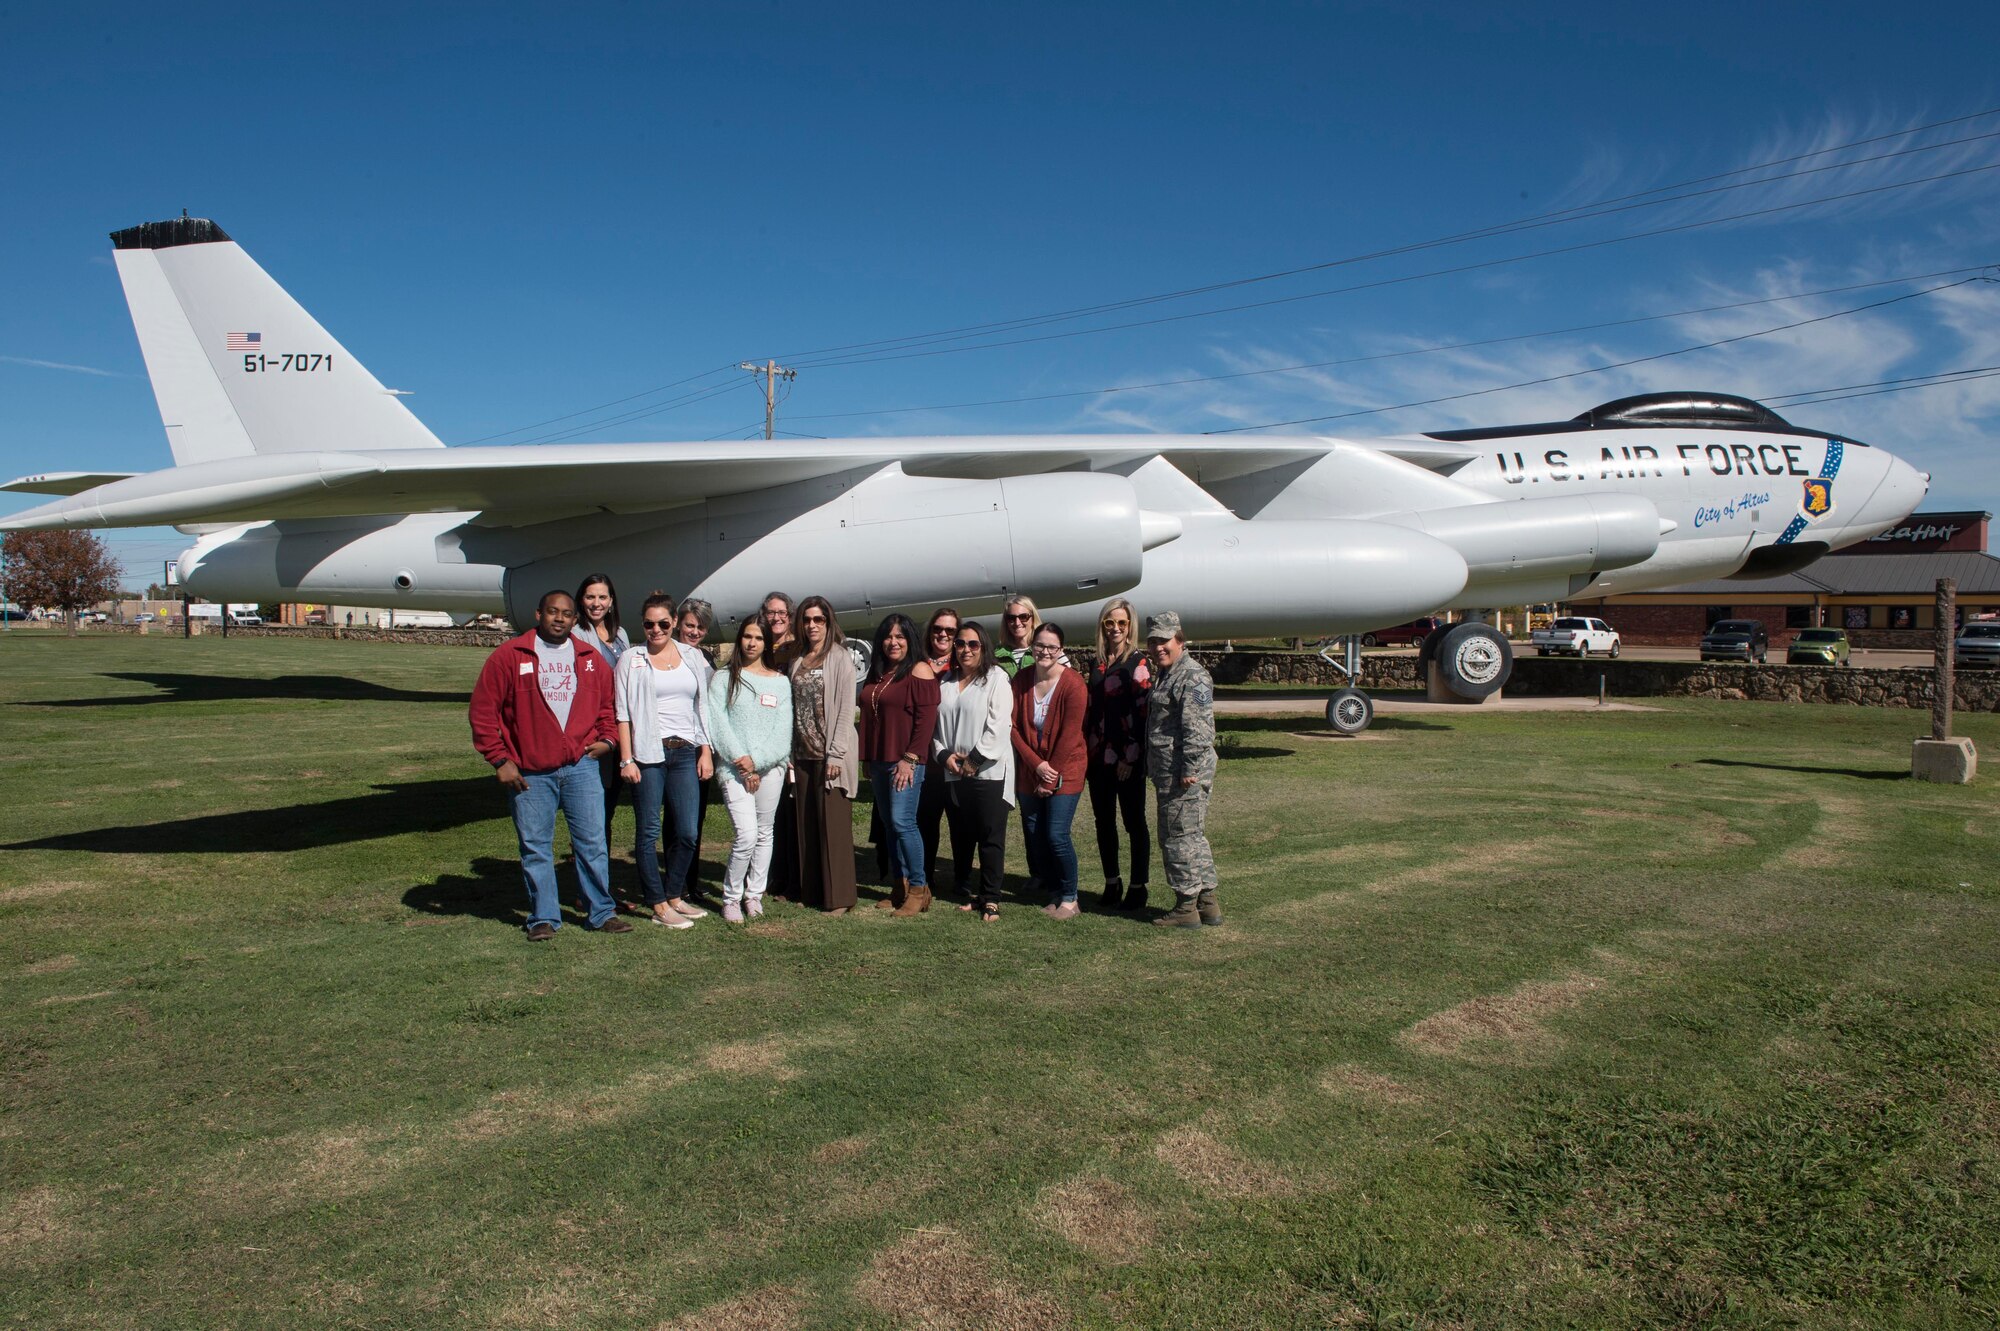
{"x": 824, "y": 821}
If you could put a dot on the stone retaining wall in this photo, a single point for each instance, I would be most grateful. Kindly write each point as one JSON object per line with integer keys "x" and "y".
{"x": 1534, "y": 676}
{"x": 1549, "y": 677}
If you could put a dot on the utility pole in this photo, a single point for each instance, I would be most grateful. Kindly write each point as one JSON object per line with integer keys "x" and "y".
{"x": 771, "y": 372}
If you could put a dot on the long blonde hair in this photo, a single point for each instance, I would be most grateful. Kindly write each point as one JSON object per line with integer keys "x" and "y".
{"x": 1131, "y": 628}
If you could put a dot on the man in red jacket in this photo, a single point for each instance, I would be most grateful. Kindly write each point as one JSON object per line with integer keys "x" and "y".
{"x": 542, "y": 714}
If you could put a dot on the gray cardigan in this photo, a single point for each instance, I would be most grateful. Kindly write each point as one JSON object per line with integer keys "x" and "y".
{"x": 843, "y": 743}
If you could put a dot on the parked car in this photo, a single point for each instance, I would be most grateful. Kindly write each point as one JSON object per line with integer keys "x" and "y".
{"x": 1736, "y": 640}
{"x": 1576, "y": 636}
{"x": 315, "y": 617}
{"x": 245, "y": 619}
{"x": 1978, "y": 644}
{"x": 1819, "y": 647}
{"x": 1411, "y": 634}
{"x": 146, "y": 617}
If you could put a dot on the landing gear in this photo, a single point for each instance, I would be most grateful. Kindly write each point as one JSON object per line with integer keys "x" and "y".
{"x": 1348, "y": 711}
{"x": 1473, "y": 661}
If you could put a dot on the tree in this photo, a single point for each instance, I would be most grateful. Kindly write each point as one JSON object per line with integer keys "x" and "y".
{"x": 69, "y": 570}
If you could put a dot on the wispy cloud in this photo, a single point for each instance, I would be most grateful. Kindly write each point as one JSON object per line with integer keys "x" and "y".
{"x": 62, "y": 365}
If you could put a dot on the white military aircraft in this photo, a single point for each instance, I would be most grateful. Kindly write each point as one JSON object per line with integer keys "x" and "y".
{"x": 306, "y": 480}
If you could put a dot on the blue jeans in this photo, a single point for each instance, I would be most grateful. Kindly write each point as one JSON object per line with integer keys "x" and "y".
{"x": 579, "y": 792}
{"x": 1045, "y": 821}
{"x": 672, "y": 788}
{"x": 899, "y": 819}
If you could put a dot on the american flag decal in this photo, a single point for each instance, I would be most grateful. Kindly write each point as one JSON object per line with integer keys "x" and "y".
{"x": 246, "y": 342}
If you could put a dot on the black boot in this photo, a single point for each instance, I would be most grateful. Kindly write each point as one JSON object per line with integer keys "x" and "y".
{"x": 1135, "y": 898}
{"x": 1114, "y": 894}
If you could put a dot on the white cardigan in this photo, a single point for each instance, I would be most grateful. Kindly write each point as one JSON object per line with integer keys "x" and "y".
{"x": 636, "y": 703}
{"x": 978, "y": 721}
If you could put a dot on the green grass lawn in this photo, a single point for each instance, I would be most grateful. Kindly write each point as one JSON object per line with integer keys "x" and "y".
{"x": 1676, "y": 1018}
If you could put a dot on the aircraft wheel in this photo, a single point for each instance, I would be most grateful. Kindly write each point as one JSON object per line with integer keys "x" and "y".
{"x": 1474, "y": 660}
{"x": 1349, "y": 712}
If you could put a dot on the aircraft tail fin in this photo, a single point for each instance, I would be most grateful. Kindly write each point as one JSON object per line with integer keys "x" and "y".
{"x": 238, "y": 366}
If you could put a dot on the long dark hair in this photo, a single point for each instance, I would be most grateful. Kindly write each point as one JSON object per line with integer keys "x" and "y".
{"x": 611, "y": 615}
{"x": 735, "y": 666}
{"x": 833, "y": 642}
{"x": 878, "y": 662}
{"x": 975, "y": 672}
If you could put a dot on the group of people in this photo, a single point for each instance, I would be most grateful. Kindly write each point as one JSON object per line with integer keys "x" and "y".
{"x": 952, "y": 728}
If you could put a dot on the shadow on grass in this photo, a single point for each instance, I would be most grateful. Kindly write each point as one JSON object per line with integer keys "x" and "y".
{"x": 242, "y": 688}
{"x": 1858, "y": 773}
{"x": 1226, "y": 725}
{"x": 391, "y": 810}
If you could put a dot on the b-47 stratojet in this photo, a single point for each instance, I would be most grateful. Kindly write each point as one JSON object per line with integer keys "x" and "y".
{"x": 304, "y": 479}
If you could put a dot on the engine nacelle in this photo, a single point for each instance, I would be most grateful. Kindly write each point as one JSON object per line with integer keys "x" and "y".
{"x": 391, "y": 562}
{"x": 1541, "y": 549}
{"x": 1234, "y": 579}
{"x": 880, "y": 542}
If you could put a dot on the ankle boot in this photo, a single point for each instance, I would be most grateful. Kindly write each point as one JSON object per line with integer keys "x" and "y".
{"x": 1114, "y": 893}
{"x": 916, "y": 902}
{"x": 1135, "y": 897}
{"x": 897, "y": 896}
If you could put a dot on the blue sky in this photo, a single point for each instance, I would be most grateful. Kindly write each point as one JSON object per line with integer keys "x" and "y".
{"x": 519, "y": 213}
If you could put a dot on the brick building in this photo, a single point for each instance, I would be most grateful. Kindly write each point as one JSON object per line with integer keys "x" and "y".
{"x": 1883, "y": 591}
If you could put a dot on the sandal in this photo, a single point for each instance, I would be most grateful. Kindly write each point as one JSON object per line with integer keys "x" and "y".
{"x": 988, "y": 913}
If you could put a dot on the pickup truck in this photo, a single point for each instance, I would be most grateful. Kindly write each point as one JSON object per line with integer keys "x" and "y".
{"x": 1575, "y": 637}
{"x": 1978, "y": 643}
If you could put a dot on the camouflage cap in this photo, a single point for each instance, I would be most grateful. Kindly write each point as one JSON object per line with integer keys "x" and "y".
{"x": 1166, "y": 624}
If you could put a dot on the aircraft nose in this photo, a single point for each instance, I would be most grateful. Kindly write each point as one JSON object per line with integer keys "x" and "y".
{"x": 1902, "y": 489}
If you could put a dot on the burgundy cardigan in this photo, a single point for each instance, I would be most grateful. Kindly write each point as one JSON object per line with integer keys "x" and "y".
{"x": 1061, "y": 741}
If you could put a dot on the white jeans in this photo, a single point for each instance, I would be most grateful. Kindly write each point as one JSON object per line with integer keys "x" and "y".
{"x": 755, "y": 817}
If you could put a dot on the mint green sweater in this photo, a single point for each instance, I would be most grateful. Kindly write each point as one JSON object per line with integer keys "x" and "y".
{"x": 750, "y": 725}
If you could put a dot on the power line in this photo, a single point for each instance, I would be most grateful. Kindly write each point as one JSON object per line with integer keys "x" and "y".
{"x": 1459, "y": 237}
{"x": 1880, "y": 386}
{"x": 1456, "y": 270}
{"x": 1595, "y": 369}
{"x": 1573, "y": 213}
{"x": 1396, "y": 355}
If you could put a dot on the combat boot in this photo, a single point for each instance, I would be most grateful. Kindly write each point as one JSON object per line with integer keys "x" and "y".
{"x": 1207, "y": 906}
{"x": 1184, "y": 915}
{"x": 916, "y": 900}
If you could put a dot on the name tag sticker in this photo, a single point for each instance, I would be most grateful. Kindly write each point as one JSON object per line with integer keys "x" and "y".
{"x": 767, "y": 700}
{"x": 527, "y": 667}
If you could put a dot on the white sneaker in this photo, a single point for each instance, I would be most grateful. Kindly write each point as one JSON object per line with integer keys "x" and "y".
{"x": 732, "y": 913}
{"x": 692, "y": 912}
{"x": 754, "y": 908}
{"x": 672, "y": 921}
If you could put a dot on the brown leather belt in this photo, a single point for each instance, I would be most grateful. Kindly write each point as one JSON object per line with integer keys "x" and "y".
{"x": 676, "y": 742}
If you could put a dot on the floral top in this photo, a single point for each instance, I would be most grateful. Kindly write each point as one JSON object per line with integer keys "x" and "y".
{"x": 1114, "y": 725}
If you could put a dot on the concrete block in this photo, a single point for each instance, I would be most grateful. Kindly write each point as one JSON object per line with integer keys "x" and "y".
{"x": 1436, "y": 690}
{"x": 1951, "y": 762}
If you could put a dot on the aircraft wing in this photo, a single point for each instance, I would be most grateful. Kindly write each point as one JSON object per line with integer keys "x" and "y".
{"x": 64, "y": 482}
{"x": 557, "y": 480}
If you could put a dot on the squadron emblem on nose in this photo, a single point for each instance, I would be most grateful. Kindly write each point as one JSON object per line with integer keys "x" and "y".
{"x": 1818, "y": 500}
